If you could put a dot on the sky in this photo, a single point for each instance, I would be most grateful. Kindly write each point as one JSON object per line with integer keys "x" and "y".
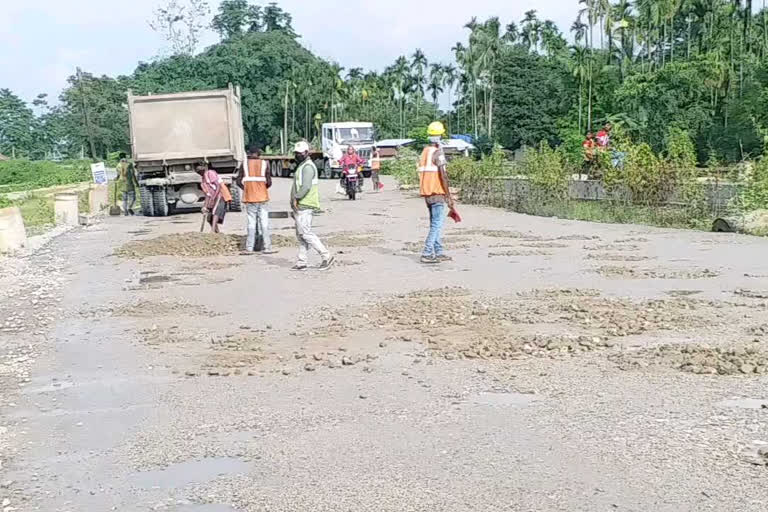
{"x": 43, "y": 41}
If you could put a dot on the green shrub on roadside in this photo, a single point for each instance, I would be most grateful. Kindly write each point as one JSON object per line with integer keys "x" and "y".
{"x": 546, "y": 168}
{"x": 404, "y": 167}
{"x": 28, "y": 174}
{"x": 755, "y": 195}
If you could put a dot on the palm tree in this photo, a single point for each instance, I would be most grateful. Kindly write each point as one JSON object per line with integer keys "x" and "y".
{"x": 418, "y": 67}
{"x": 512, "y": 33}
{"x": 401, "y": 72}
{"x": 531, "y": 30}
{"x": 489, "y": 43}
{"x": 578, "y": 62}
{"x": 449, "y": 80}
{"x": 470, "y": 63}
{"x": 435, "y": 83}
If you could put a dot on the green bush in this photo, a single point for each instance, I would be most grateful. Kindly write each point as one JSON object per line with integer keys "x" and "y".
{"x": 404, "y": 167}
{"x": 547, "y": 170}
{"x": 755, "y": 195}
{"x": 28, "y": 174}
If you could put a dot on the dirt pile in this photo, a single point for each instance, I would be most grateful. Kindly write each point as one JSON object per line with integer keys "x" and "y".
{"x": 698, "y": 359}
{"x": 514, "y": 346}
{"x": 752, "y": 294}
{"x": 350, "y": 239}
{"x": 143, "y": 308}
{"x": 617, "y": 272}
{"x": 623, "y": 317}
{"x": 519, "y": 252}
{"x": 545, "y": 245}
{"x": 611, "y": 247}
{"x": 192, "y": 245}
{"x": 617, "y": 257}
{"x": 577, "y": 238}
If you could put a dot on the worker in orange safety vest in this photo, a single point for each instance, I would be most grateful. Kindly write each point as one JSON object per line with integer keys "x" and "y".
{"x": 434, "y": 188}
{"x": 255, "y": 180}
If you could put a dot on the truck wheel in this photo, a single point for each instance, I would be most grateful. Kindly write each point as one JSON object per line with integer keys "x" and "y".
{"x": 147, "y": 208}
{"x": 327, "y": 171}
{"x": 237, "y": 194}
{"x": 160, "y": 202}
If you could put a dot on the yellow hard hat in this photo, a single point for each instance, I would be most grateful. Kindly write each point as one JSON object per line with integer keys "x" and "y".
{"x": 436, "y": 129}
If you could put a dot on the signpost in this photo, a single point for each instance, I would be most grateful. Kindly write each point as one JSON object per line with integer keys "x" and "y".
{"x": 99, "y": 173}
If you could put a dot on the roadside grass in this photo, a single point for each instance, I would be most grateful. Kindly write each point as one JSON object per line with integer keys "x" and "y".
{"x": 608, "y": 212}
{"x": 37, "y": 211}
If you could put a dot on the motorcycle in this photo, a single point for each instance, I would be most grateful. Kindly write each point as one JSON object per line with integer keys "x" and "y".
{"x": 351, "y": 183}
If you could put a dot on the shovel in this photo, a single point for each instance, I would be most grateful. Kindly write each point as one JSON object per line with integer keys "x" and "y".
{"x": 114, "y": 210}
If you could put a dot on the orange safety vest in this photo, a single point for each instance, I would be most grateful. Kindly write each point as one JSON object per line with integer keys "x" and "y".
{"x": 255, "y": 181}
{"x": 430, "y": 183}
{"x": 375, "y": 163}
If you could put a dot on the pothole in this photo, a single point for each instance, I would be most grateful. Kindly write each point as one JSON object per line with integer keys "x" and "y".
{"x": 744, "y": 403}
{"x": 503, "y": 399}
{"x": 190, "y": 472}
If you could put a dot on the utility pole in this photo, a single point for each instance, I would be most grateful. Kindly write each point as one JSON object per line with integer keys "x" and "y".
{"x": 86, "y": 113}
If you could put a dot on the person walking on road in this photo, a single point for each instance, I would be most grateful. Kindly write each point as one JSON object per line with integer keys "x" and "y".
{"x": 305, "y": 201}
{"x": 375, "y": 168}
{"x": 127, "y": 174}
{"x": 255, "y": 180}
{"x": 434, "y": 188}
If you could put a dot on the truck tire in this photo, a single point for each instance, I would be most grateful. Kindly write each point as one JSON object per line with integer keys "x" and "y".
{"x": 147, "y": 208}
{"x": 326, "y": 173}
{"x": 160, "y": 202}
{"x": 237, "y": 197}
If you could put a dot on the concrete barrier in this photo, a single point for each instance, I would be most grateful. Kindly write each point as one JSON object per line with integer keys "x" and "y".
{"x": 13, "y": 236}
{"x": 65, "y": 209}
{"x": 98, "y": 197}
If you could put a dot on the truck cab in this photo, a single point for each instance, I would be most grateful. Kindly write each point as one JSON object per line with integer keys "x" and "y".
{"x": 337, "y": 137}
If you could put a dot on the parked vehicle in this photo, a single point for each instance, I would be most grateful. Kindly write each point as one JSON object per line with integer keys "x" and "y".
{"x": 171, "y": 132}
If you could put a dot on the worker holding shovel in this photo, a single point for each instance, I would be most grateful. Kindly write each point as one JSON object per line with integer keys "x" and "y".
{"x": 127, "y": 174}
{"x": 217, "y": 196}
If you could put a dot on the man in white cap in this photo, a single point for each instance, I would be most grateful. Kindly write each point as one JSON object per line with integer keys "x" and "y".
{"x": 305, "y": 201}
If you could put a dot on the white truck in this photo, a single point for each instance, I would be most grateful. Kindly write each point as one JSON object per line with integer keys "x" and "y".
{"x": 337, "y": 137}
{"x": 170, "y": 133}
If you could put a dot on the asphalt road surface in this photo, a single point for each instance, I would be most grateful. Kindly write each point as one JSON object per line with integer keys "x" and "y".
{"x": 552, "y": 366}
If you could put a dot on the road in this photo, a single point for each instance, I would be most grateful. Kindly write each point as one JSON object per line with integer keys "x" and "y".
{"x": 552, "y": 366}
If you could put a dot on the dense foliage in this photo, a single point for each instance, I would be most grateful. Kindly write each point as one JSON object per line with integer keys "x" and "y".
{"x": 649, "y": 67}
{"x": 23, "y": 174}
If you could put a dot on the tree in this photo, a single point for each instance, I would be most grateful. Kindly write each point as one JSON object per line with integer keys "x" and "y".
{"x": 180, "y": 22}
{"x": 418, "y": 68}
{"x": 276, "y": 19}
{"x": 533, "y": 93}
{"x": 16, "y": 125}
{"x": 436, "y": 81}
{"x": 236, "y": 17}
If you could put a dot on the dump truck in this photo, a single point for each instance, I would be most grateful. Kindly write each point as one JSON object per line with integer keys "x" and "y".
{"x": 170, "y": 133}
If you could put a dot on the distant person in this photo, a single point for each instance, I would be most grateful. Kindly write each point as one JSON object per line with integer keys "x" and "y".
{"x": 375, "y": 168}
{"x": 604, "y": 136}
{"x": 217, "y": 196}
{"x": 350, "y": 164}
{"x": 305, "y": 201}
{"x": 434, "y": 188}
{"x": 588, "y": 148}
{"x": 126, "y": 173}
{"x": 255, "y": 180}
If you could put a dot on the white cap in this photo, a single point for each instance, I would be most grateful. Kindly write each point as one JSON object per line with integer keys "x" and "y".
{"x": 301, "y": 147}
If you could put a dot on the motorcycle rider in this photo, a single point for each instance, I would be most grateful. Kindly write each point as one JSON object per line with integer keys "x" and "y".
{"x": 350, "y": 164}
